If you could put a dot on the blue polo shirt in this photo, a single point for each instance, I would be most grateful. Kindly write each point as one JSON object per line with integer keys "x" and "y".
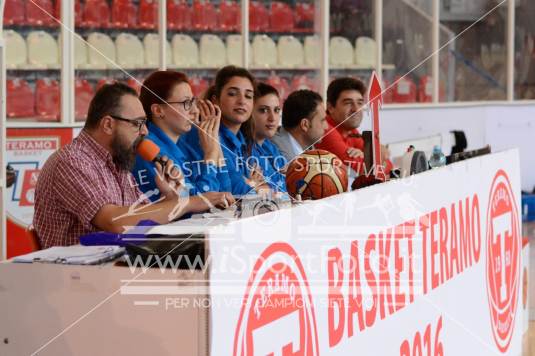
{"x": 199, "y": 176}
{"x": 233, "y": 147}
{"x": 271, "y": 161}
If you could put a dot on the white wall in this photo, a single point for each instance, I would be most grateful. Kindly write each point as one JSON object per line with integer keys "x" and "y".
{"x": 502, "y": 125}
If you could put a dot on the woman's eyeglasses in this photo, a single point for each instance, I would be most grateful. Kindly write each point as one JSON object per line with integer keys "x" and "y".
{"x": 187, "y": 104}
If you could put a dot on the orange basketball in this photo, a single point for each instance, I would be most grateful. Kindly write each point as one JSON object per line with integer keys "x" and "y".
{"x": 316, "y": 174}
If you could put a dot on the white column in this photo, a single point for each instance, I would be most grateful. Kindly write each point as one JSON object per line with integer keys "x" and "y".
{"x": 162, "y": 32}
{"x": 511, "y": 50}
{"x": 67, "y": 62}
{"x": 435, "y": 46}
{"x": 378, "y": 36}
{"x": 323, "y": 17}
{"x": 245, "y": 32}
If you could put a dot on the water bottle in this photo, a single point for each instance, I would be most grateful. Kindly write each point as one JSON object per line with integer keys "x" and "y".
{"x": 437, "y": 158}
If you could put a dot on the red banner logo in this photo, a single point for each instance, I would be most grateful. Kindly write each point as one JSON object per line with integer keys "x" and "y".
{"x": 277, "y": 315}
{"x": 29, "y": 183}
{"x": 503, "y": 259}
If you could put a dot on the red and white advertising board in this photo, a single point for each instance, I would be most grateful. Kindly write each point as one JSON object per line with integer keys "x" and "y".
{"x": 427, "y": 265}
{"x": 27, "y": 151}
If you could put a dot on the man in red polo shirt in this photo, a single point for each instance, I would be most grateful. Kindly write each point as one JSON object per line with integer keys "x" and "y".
{"x": 345, "y": 106}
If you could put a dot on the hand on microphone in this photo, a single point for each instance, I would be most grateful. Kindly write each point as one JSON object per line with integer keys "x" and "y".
{"x": 169, "y": 178}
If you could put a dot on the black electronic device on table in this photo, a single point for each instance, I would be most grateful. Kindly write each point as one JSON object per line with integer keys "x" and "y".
{"x": 185, "y": 251}
{"x": 461, "y": 156}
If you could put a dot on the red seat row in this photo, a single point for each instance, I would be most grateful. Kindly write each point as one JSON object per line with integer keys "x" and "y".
{"x": 204, "y": 16}
{"x": 405, "y": 90}
{"x": 298, "y": 82}
{"x": 200, "y": 16}
{"x": 23, "y": 102}
{"x": 33, "y": 13}
{"x": 44, "y": 103}
{"x": 92, "y": 13}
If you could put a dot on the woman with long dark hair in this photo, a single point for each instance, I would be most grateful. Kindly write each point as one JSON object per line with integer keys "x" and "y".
{"x": 233, "y": 92}
{"x": 258, "y": 132}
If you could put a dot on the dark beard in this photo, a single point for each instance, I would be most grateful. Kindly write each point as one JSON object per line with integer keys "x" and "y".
{"x": 123, "y": 155}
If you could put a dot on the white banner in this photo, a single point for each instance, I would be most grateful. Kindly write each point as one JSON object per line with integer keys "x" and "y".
{"x": 427, "y": 265}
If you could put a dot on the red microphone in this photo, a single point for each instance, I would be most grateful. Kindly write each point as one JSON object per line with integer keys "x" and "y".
{"x": 149, "y": 151}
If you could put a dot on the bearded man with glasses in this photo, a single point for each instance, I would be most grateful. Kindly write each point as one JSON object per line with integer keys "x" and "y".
{"x": 87, "y": 186}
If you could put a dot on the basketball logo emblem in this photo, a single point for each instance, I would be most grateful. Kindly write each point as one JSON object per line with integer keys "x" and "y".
{"x": 503, "y": 259}
{"x": 277, "y": 315}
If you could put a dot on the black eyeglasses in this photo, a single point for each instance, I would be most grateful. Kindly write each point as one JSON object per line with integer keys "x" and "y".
{"x": 187, "y": 104}
{"x": 135, "y": 122}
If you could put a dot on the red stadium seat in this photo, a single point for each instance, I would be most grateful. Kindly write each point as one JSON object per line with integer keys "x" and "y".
{"x": 134, "y": 84}
{"x": 14, "y": 12}
{"x": 258, "y": 17}
{"x": 20, "y": 99}
{"x": 281, "y": 18}
{"x": 148, "y": 14}
{"x": 388, "y": 93}
{"x": 280, "y": 84}
{"x": 178, "y": 15}
{"x": 78, "y": 13}
{"x": 84, "y": 93}
{"x": 229, "y": 16}
{"x": 404, "y": 91}
{"x": 124, "y": 14}
{"x": 103, "y": 81}
{"x": 47, "y": 100}
{"x": 304, "y": 17}
{"x": 198, "y": 86}
{"x": 204, "y": 16}
{"x": 40, "y": 13}
{"x": 303, "y": 82}
{"x": 425, "y": 89}
{"x": 96, "y": 13}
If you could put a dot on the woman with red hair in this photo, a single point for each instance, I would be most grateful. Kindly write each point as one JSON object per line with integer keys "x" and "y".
{"x": 172, "y": 111}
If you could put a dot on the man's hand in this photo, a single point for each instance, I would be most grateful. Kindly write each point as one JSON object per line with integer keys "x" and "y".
{"x": 169, "y": 179}
{"x": 355, "y": 153}
{"x": 221, "y": 200}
